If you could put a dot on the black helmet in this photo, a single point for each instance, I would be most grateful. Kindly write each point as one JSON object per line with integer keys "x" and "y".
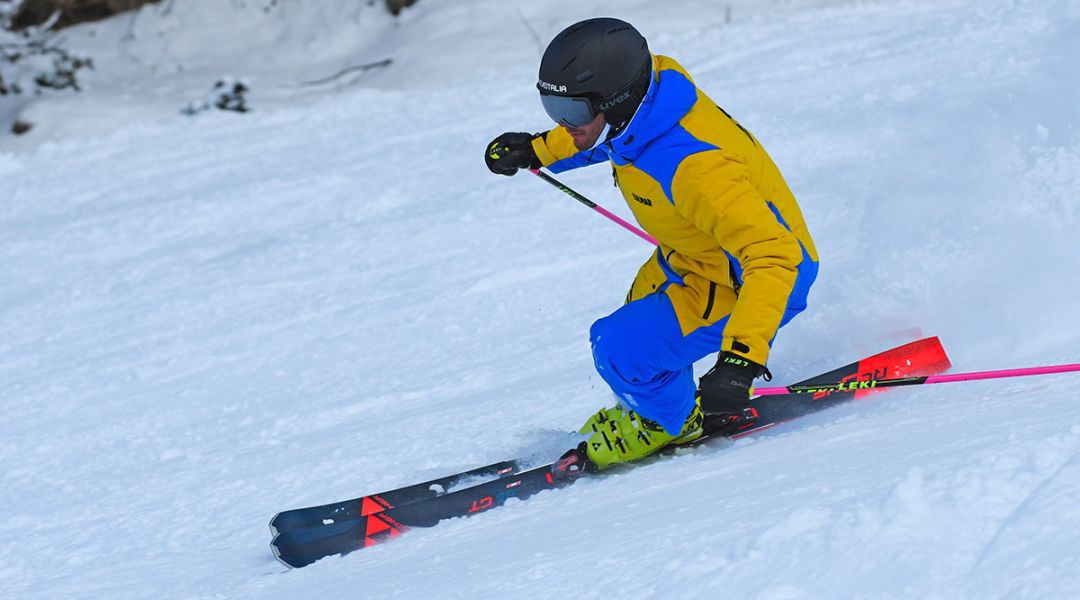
{"x": 595, "y": 66}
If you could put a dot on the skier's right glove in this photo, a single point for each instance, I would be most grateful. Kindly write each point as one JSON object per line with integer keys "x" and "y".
{"x": 725, "y": 389}
{"x": 510, "y": 152}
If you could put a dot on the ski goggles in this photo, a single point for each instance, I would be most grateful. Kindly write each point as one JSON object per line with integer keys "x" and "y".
{"x": 570, "y": 111}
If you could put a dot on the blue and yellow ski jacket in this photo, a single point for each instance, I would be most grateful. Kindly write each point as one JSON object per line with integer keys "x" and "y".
{"x": 732, "y": 237}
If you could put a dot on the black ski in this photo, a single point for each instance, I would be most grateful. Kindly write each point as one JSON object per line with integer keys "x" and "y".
{"x": 301, "y": 546}
{"x": 305, "y": 545}
{"x": 373, "y": 503}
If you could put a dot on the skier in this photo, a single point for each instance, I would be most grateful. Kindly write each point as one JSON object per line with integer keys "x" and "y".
{"x": 735, "y": 260}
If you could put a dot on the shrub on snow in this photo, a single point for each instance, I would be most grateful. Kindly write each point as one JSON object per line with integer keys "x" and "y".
{"x": 32, "y": 60}
{"x": 228, "y": 93}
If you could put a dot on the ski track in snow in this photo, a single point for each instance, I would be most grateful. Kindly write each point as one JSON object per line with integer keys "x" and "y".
{"x": 209, "y": 320}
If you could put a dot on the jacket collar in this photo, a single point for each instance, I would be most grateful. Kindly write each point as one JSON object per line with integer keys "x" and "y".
{"x": 669, "y": 97}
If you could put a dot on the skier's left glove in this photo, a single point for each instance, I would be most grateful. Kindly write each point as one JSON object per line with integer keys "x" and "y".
{"x": 725, "y": 389}
{"x": 510, "y": 152}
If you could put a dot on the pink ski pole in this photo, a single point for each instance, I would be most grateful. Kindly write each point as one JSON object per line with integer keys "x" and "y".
{"x": 840, "y": 386}
{"x": 870, "y": 384}
{"x": 600, "y": 209}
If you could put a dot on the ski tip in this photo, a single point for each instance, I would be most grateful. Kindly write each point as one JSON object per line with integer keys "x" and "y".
{"x": 915, "y": 359}
{"x": 277, "y": 556}
{"x": 930, "y": 357}
{"x": 922, "y": 357}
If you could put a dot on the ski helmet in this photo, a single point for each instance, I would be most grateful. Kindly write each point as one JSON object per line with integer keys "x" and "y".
{"x": 596, "y": 66}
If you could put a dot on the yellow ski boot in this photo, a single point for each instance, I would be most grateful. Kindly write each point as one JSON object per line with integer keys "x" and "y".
{"x": 621, "y": 436}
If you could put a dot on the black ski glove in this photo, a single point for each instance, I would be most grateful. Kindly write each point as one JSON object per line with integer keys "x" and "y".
{"x": 510, "y": 152}
{"x": 725, "y": 389}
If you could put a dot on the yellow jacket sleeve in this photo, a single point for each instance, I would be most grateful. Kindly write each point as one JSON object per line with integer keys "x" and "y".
{"x": 554, "y": 145}
{"x": 713, "y": 190}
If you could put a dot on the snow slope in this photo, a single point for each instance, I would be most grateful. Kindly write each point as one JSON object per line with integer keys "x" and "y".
{"x": 209, "y": 320}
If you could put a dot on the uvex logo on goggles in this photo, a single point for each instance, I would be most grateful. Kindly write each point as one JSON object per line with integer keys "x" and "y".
{"x": 609, "y": 103}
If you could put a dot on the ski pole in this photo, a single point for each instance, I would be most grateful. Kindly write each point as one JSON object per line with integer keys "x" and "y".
{"x": 600, "y": 209}
{"x": 852, "y": 386}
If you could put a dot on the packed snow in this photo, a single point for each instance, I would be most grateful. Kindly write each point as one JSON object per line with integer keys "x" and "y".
{"x": 208, "y": 319}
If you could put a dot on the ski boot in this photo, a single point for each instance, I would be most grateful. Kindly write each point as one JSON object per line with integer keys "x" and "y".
{"x": 622, "y": 436}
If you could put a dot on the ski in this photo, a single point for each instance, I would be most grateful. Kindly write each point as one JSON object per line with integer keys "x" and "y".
{"x": 915, "y": 359}
{"x": 303, "y": 545}
{"x": 373, "y": 503}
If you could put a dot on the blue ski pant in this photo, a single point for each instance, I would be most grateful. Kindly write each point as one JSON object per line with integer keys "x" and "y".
{"x": 642, "y": 354}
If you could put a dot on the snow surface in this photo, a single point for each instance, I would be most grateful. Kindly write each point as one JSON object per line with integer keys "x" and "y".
{"x": 207, "y": 320}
